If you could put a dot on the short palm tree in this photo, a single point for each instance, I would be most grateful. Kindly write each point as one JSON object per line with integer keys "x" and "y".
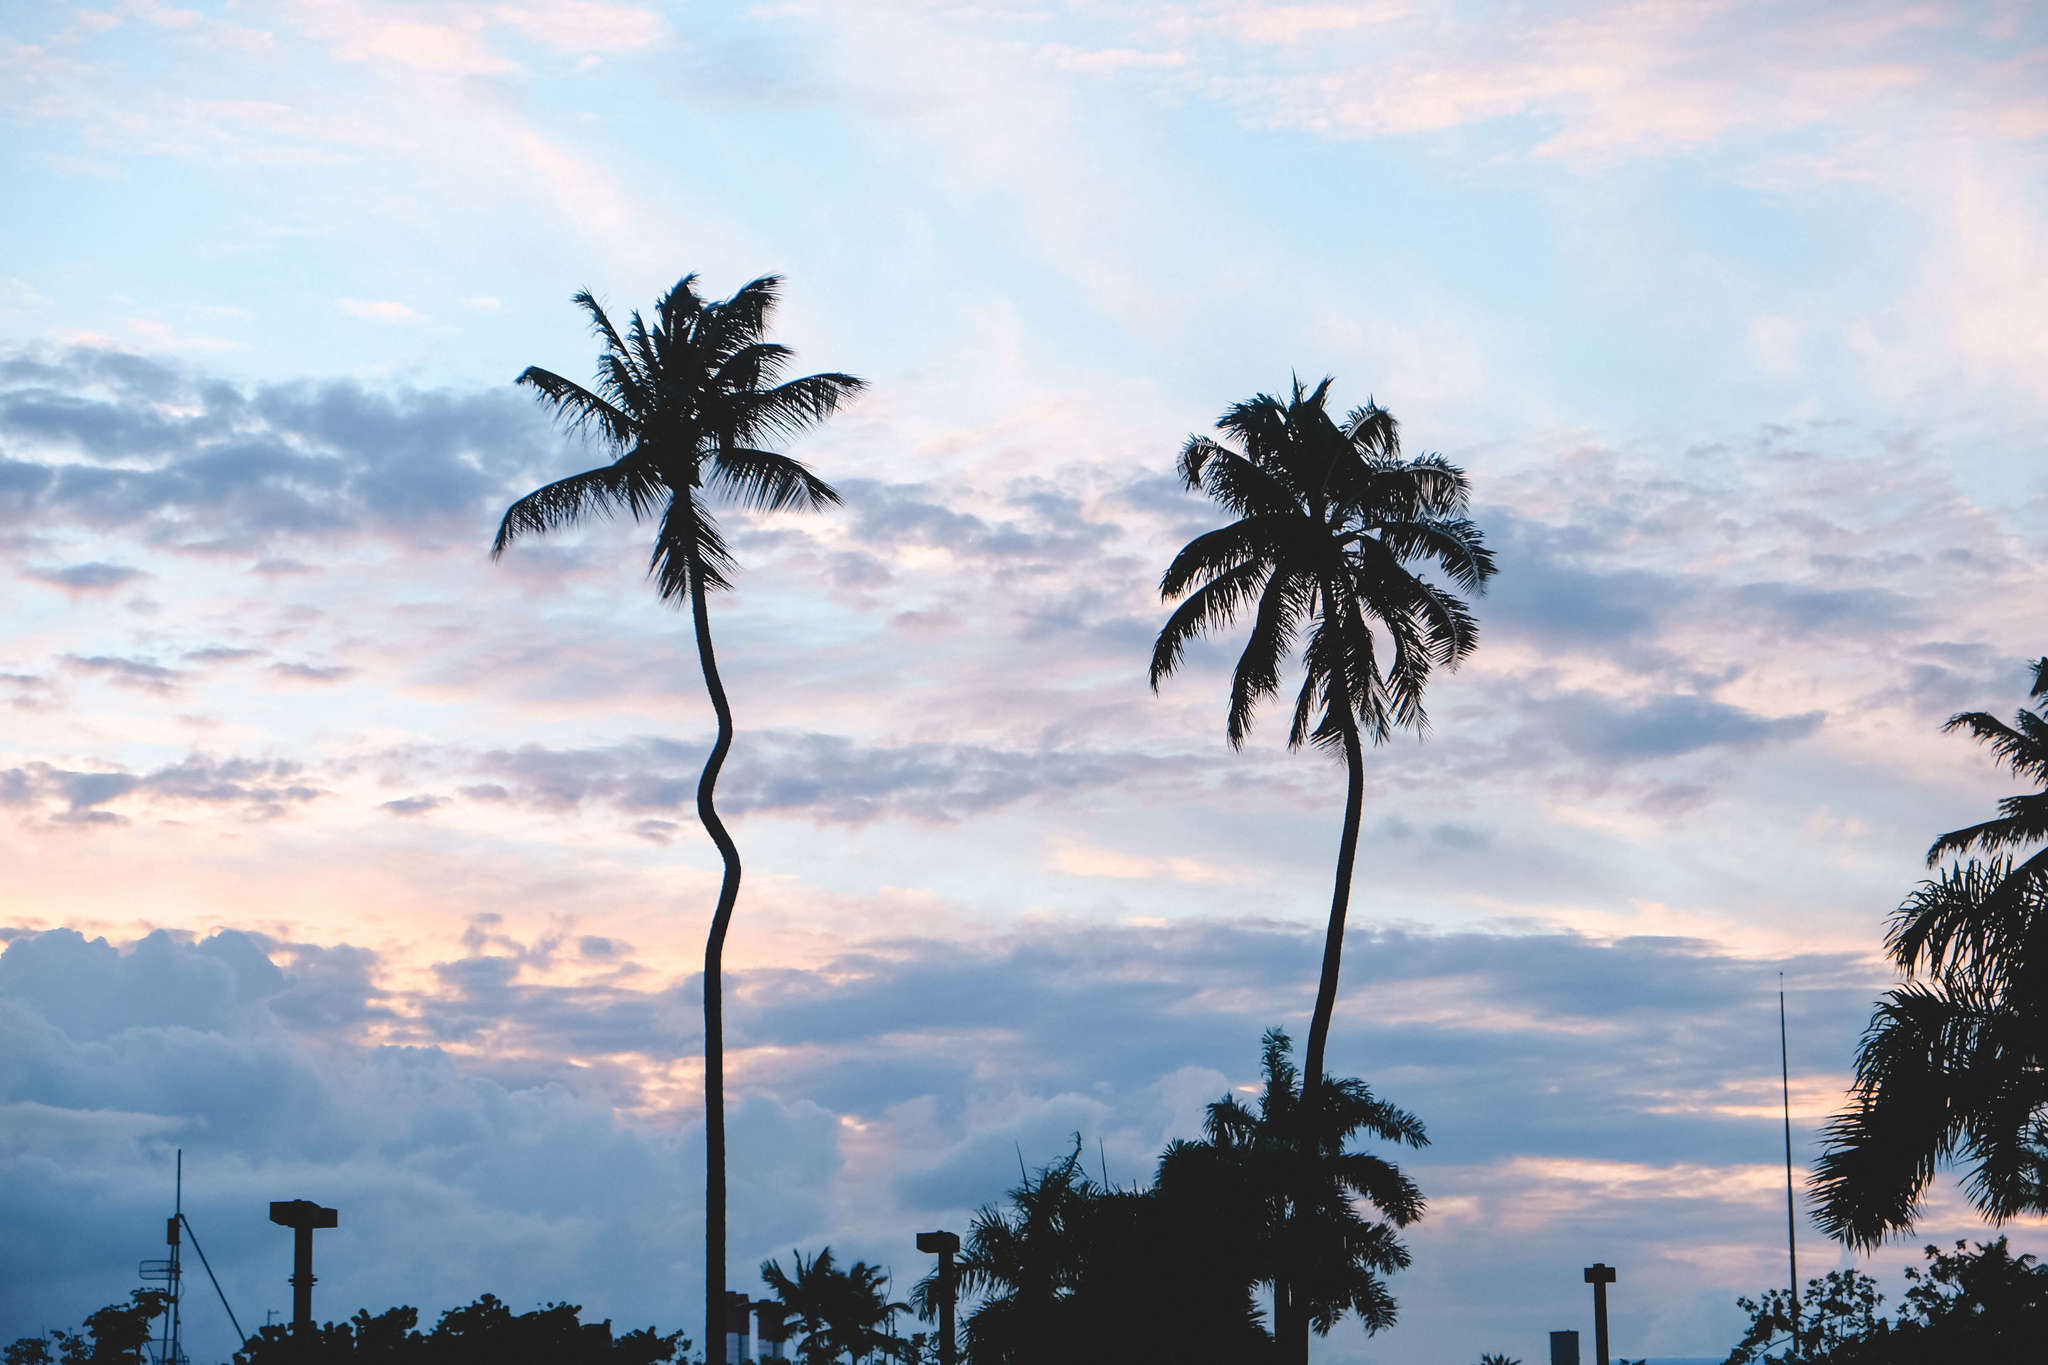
{"x": 1955, "y": 1062}
{"x": 844, "y": 1314}
{"x": 1333, "y": 531}
{"x": 688, "y": 407}
{"x": 1283, "y": 1176}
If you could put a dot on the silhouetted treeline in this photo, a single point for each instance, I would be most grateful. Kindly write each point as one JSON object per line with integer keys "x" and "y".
{"x": 1964, "y": 1306}
{"x": 486, "y": 1332}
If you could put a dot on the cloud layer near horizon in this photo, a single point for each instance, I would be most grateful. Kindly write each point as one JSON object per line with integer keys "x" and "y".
{"x": 528, "y": 1109}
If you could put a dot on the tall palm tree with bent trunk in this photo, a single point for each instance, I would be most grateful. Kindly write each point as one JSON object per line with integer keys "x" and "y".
{"x": 1333, "y": 537}
{"x": 688, "y": 407}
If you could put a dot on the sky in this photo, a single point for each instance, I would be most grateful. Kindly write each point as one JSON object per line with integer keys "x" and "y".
{"x": 363, "y": 868}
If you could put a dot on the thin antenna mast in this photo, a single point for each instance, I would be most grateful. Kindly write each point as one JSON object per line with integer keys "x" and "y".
{"x": 1791, "y": 1224}
{"x": 173, "y": 1329}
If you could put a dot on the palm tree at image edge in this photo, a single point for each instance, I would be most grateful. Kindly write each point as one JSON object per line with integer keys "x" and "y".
{"x": 688, "y": 407}
{"x": 1955, "y": 1061}
{"x": 1330, "y": 520}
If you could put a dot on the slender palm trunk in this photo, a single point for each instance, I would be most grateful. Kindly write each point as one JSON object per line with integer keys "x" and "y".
{"x": 1291, "y": 1334}
{"x": 1340, "y": 905}
{"x": 714, "y": 1016}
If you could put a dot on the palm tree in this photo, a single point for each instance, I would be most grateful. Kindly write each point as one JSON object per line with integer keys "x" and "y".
{"x": 687, "y": 407}
{"x": 1954, "y": 1063}
{"x": 1283, "y": 1176}
{"x": 1332, "y": 526}
{"x": 842, "y": 1313}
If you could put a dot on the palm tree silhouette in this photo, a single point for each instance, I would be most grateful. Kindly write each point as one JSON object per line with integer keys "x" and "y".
{"x": 688, "y": 406}
{"x": 1331, "y": 525}
{"x": 841, "y": 1312}
{"x": 1285, "y": 1187}
{"x": 1955, "y": 1061}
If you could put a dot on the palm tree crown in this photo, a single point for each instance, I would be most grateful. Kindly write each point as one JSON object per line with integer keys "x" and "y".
{"x": 1331, "y": 525}
{"x": 687, "y": 406}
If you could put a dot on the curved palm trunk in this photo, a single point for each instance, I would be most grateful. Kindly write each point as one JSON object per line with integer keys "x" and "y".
{"x": 714, "y": 1017}
{"x": 1290, "y": 1327}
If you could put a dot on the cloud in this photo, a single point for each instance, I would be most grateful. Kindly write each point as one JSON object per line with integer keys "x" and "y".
{"x": 104, "y": 440}
{"x": 1665, "y": 727}
{"x": 92, "y": 577}
{"x": 145, "y": 674}
{"x": 312, "y": 673}
{"x": 413, "y": 805}
{"x": 831, "y": 778}
{"x": 257, "y": 788}
{"x": 381, "y": 310}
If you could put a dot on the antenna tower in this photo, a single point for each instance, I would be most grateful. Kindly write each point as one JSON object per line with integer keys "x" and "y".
{"x": 169, "y": 1349}
{"x": 1791, "y": 1223}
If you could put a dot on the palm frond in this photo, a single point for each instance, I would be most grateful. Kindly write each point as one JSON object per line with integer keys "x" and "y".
{"x": 565, "y": 502}
{"x": 769, "y": 482}
{"x": 1214, "y": 604}
{"x": 578, "y": 409}
{"x": 2025, "y": 754}
{"x": 1288, "y": 598}
{"x": 795, "y": 406}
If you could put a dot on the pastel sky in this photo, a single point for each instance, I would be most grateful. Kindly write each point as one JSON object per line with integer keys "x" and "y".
{"x": 363, "y": 868}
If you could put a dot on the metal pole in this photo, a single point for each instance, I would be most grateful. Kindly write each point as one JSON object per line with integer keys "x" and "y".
{"x": 1791, "y": 1223}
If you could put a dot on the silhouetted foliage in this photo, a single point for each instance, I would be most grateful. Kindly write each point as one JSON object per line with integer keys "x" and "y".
{"x": 1955, "y": 1062}
{"x": 486, "y": 1332}
{"x": 1333, "y": 529}
{"x": 1963, "y": 1305}
{"x": 688, "y": 407}
{"x": 1290, "y": 1193}
{"x": 114, "y": 1335}
{"x": 843, "y": 1314}
{"x": 1497, "y": 1358}
{"x": 1077, "y": 1272}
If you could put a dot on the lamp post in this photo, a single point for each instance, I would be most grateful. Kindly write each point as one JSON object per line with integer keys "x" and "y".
{"x": 1600, "y": 1275}
{"x": 302, "y": 1216}
{"x": 943, "y": 1245}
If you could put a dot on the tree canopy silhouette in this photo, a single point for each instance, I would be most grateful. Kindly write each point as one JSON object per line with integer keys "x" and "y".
{"x": 689, "y": 407}
{"x": 844, "y": 1314}
{"x": 1079, "y": 1272}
